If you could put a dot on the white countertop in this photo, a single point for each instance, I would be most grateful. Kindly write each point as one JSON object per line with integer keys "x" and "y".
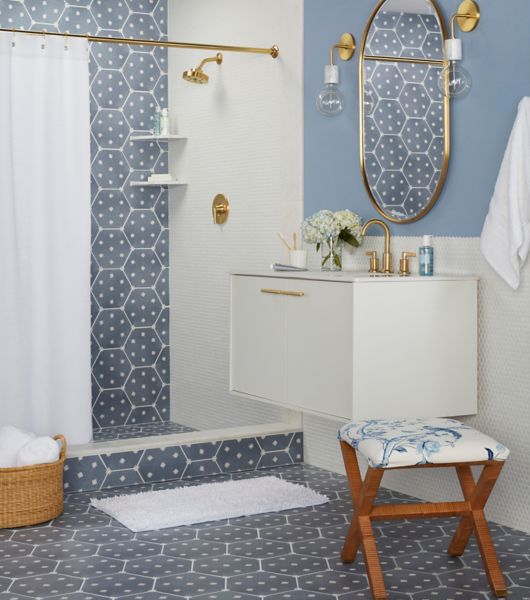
{"x": 351, "y": 276}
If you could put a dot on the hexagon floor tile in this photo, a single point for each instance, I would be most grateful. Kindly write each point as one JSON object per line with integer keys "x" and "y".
{"x": 275, "y": 556}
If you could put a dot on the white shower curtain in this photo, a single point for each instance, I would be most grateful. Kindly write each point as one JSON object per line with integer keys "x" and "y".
{"x": 45, "y": 236}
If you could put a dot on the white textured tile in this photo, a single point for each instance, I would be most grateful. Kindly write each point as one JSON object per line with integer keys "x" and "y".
{"x": 245, "y": 140}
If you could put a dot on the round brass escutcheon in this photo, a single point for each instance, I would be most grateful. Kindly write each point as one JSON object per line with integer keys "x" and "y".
{"x": 220, "y": 209}
{"x": 472, "y": 11}
{"x": 347, "y": 39}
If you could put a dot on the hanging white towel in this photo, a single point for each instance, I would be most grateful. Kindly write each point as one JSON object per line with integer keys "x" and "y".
{"x": 505, "y": 238}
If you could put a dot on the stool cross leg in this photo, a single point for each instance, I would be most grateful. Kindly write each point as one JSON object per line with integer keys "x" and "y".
{"x": 361, "y": 534}
{"x": 477, "y": 496}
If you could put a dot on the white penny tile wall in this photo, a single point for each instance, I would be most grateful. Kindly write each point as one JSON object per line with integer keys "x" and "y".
{"x": 244, "y": 140}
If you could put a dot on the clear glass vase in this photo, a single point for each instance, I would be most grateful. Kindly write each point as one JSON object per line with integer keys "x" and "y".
{"x": 332, "y": 254}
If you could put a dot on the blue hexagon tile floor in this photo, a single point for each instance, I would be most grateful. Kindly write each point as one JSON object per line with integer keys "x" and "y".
{"x": 293, "y": 555}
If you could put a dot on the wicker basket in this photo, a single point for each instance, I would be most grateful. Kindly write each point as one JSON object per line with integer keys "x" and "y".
{"x": 34, "y": 494}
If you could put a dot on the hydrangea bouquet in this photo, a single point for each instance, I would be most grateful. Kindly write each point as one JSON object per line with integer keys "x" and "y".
{"x": 328, "y": 230}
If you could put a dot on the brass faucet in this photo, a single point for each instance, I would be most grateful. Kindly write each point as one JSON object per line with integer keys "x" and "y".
{"x": 387, "y": 256}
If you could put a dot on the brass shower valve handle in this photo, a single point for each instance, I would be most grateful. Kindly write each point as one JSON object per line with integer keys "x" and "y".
{"x": 404, "y": 270}
{"x": 374, "y": 261}
{"x": 220, "y": 209}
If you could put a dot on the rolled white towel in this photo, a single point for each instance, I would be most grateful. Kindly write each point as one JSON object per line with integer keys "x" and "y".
{"x": 11, "y": 441}
{"x": 39, "y": 451}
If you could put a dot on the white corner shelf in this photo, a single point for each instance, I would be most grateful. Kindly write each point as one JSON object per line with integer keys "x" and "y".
{"x": 174, "y": 183}
{"x": 156, "y": 138}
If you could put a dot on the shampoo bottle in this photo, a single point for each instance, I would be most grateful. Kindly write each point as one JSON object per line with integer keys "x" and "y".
{"x": 427, "y": 257}
{"x": 156, "y": 121}
{"x": 164, "y": 122}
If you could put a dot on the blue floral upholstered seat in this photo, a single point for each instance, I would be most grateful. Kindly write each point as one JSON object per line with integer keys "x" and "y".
{"x": 395, "y": 443}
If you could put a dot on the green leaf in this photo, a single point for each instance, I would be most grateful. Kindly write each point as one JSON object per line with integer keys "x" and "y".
{"x": 336, "y": 260}
{"x": 349, "y": 238}
{"x": 318, "y": 247}
{"x": 325, "y": 259}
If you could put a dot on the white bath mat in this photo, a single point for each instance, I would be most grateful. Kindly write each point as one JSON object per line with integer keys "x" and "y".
{"x": 207, "y": 502}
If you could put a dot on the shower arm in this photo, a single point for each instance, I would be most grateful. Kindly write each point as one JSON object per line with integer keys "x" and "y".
{"x": 274, "y": 51}
{"x": 218, "y": 59}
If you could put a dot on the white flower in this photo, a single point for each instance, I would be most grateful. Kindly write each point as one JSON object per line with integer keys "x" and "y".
{"x": 326, "y": 224}
{"x": 320, "y": 226}
{"x": 349, "y": 220}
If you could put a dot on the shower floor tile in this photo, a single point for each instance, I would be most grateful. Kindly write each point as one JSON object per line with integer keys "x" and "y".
{"x": 126, "y": 432}
{"x": 292, "y": 555}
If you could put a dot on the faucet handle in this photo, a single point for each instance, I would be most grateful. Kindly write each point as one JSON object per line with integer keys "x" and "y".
{"x": 374, "y": 261}
{"x": 404, "y": 270}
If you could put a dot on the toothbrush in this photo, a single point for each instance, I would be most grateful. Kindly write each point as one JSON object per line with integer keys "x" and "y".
{"x": 284, "y": 241}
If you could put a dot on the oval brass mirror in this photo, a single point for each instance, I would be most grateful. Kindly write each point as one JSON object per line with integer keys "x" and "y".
{"x": 404, "y": 114}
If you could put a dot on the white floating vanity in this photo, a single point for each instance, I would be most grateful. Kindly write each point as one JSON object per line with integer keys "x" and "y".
{"x": 353, "y": 346}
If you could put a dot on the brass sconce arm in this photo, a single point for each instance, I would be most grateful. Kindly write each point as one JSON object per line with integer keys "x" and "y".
{"x": 467, "y": 16}
{"x": 346, "y": 48}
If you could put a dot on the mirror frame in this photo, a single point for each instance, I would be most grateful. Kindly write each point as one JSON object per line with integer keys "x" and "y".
{"x": 447, "y": 114}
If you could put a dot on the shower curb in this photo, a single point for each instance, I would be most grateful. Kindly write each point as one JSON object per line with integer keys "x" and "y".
{"x": 179, "y": 462}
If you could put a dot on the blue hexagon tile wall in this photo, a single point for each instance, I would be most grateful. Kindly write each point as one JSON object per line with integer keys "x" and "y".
{"x": 130, "y": 259}
{"x": 154, "y": 465}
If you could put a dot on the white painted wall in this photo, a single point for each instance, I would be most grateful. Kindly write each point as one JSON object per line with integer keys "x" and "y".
{"x": 245, "y": 133}
{"x": 504, "y": 385}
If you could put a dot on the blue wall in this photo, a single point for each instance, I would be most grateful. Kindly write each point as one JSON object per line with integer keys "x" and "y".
{"x": 497, "y": 54}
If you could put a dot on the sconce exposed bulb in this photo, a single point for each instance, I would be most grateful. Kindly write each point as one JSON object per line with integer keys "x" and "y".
{"x": 330, "y": 101}
{"x": 455, "y": 81}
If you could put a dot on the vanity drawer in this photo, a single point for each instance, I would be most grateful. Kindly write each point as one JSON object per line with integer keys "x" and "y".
{"x": 319, "y": 348}
{"x": 290, "y": 339}
{"x": 415, "y": 349}
{"x": 258, "y": 353}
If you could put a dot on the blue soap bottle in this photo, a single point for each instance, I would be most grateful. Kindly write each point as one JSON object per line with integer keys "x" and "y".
{"x": 427, "y": 257}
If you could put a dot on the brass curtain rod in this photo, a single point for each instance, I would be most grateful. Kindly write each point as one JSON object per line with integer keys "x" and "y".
{"x": 274, "y": 51}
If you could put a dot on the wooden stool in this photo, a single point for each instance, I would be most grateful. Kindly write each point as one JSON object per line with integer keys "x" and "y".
{"x": 420, "y": 443}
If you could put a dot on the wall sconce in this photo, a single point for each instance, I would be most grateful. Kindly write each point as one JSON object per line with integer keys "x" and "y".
{"x": 455, "y": 81}
{"x": 330, "y": 101}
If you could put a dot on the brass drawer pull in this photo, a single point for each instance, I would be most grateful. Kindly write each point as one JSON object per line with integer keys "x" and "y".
{"x": 282, "y": 293}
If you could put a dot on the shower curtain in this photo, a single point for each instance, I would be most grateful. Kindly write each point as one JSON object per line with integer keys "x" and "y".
{"x": 45, "y": 236}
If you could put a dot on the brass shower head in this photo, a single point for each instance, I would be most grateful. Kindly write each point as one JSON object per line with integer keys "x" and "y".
{"x": 197, "y": 75}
